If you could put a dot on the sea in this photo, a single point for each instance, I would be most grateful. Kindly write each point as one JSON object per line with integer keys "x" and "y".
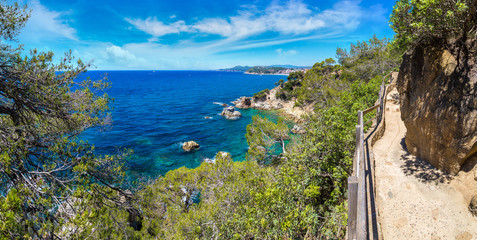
{"x": 155, "y": 112}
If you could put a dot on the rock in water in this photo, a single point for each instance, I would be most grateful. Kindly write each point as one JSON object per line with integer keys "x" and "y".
{"x": 473, "y": 206}
{"x": 437, "y": 84}
{"x": 231, "y": 113}
{"x": 243, "y": 102}
{"x": 189, "y": 146}
{"x": 209, "y": 160}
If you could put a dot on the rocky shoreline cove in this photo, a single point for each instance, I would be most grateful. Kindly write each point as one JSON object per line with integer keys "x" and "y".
{"x": 271, "y": 102}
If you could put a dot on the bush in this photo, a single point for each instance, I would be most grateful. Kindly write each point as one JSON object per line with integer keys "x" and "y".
{"x": 420, "y": 21}
{"x": 261, "y": 96}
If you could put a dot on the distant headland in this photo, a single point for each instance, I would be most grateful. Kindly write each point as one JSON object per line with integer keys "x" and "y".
{"x": 270, "y": 70}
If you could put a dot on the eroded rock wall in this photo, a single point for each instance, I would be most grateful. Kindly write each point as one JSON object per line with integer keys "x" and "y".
{"x": 437, "y": 85}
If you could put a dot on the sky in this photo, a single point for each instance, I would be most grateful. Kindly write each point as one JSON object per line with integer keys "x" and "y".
{"x": 201, "y": 34}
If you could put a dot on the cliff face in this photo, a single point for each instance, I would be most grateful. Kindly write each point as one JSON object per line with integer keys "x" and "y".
{"x": 437, "y": 84}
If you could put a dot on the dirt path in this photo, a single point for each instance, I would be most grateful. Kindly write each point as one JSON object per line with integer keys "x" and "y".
{"x": 415, "y": 201}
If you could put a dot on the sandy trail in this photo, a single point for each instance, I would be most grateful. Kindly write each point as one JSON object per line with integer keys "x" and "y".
{"x": 414, "y": 200}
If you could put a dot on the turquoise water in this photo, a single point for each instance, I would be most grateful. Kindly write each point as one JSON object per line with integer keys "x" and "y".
{"x": 155, "y": 112}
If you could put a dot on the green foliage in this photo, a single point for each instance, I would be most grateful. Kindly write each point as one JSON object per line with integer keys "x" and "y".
{"x": 323, "y": 83}
{"x": 266, "y": 140}
{"x": 265, "y": 70}
{"x": 12, "y": 19}
{"x": 296, "y": 76}
{"x": 225, "y": 187}
{"x": 54, "y": 186}
{"x": 261, "y": 96}
{"x": 294, "y": 80}
{"x": 318, "y": 83}
{"x": 367, "y": 59}
{"x": 302, "y": 194}
{"x": 51, "y": 184}
{"x": 421, "y": 21}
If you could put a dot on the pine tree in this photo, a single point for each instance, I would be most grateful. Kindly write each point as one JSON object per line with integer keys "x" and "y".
{"x": 52, "y": 184}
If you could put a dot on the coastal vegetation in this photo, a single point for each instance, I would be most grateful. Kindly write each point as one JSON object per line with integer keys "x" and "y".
{"x": 261, "y": 96}
{"x": 277, "y": 69}
{"x": 286, "y": 91}
{"x": 295, "y": 190}
{"x": 265, "y": 70}
{"x": 290, "y": 187}
{"x": 274, "y": 70}
{"x": 426, "y": 21}
{"x": 52, "y": 185}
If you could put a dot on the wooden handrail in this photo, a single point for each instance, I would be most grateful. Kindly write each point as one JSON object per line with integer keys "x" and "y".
{"x": 357, "y": 213}
{"x": 371, "y": 109}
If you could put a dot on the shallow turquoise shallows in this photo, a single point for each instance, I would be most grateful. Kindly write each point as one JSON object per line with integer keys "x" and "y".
{"x": 156, "y": 111}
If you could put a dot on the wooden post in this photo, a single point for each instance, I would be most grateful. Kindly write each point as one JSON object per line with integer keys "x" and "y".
{"x": 380, "y": 111}
{"x": 361, "y": 229}
{"x": 356, "y": 152}
{"x": 352, "y": 204}
{"x": 360, "y": 118}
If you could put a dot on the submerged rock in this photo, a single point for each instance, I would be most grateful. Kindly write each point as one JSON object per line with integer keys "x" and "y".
{"x": 437, "y": 84}
{"x": 231, "y": 113}
{"x": 189, "y": 146}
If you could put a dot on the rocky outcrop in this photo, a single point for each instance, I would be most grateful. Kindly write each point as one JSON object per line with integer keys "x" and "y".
{"x": 243, "y": 102}
{"x": 297, "y": 129}
{"x": 231, "y": 113}
{"x": 189, "y": 146}
{"x": 437, "y": 84}
{"x": 271, "y": 102}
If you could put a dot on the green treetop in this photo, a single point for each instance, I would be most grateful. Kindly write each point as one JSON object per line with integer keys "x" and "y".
{"x": 266, "y": 139}
{"x": 422, "y": 20}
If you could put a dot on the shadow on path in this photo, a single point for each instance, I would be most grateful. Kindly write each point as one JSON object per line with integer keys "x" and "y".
{"x": 371, "y": 204}
{"x": 421, "y": 169}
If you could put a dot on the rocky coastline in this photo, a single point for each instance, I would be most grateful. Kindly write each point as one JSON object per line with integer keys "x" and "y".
{"x": 278, "y": 74}
{"x": 271, "y": 102}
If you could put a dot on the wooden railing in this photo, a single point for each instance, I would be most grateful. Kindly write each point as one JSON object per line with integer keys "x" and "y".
{"x": 357, "y": 192}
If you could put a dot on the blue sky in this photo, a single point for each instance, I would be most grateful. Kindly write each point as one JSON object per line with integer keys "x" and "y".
{"x": 202, "y": 34}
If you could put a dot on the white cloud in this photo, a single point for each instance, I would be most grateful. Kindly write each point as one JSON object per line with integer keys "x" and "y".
{"x": 47, "y": 24}
{"x": 117, "y": 56}
{"x": 237, "y": 27}
{"x": 292, "y": 18}
{"x": 157, "y": 28}
{"x": 116, "y": 52}
{"x": 283, "y": 53}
